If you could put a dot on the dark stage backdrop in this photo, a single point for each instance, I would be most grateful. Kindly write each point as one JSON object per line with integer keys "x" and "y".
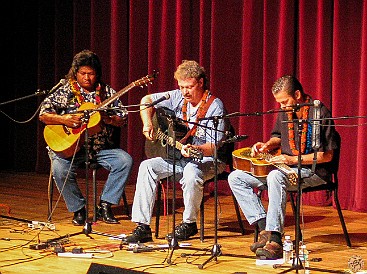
{"x": 244, "y": 46}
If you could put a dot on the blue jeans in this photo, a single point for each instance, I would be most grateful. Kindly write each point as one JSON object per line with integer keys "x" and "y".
{"x": 242, "y": 185}
{"x": 191, "y": 176}
{"x": 116, "y": 161}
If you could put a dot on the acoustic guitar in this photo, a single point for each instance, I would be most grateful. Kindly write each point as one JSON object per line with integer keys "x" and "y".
{"x": 66, "y": 141}
{"x": 260, "y": 166}
{"x": 165, "y": 139}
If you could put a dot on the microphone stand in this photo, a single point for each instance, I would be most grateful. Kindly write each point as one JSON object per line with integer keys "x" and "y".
{"x": 173, "y": 243}
{"x": 296, "y": 263}
{"x": 216, "y": 249}
{"x": 38, "y": 93}
{"x": 87, "y": 228}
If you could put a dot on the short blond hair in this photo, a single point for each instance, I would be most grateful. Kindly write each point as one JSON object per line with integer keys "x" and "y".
{"x": 190, "y": 69}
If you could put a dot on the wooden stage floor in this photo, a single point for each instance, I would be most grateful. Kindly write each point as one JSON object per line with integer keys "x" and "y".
{"x": 25, "y": 195}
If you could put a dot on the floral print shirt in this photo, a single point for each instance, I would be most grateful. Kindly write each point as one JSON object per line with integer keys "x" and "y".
{"x": 63, "y": 101}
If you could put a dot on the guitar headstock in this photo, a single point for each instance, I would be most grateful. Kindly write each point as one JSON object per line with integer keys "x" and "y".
{"x": 146, "y": 80}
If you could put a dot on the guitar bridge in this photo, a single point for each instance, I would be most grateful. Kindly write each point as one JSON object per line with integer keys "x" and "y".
{"x": 66, "y": 130}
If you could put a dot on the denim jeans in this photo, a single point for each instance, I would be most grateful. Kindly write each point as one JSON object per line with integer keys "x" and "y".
{"x": 116, "y": 161}
{"x": 191, "y": 175}
{"x": 242, "y": 185}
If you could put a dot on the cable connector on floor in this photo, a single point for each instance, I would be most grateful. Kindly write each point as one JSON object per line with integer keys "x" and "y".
{"x": 75, "y": 255}
{"x": 38, "y": 246}
{"x": 77, "y": 250}
{"x": 40, "y": 225}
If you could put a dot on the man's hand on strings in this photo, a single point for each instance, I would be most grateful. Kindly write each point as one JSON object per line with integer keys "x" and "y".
{"x": 260, "y": 147}
{"x": 185, "y": 150}
{"x": 72, "y": 120}
{"x": 257, "y": 148}
{"x": 148, "y": 132}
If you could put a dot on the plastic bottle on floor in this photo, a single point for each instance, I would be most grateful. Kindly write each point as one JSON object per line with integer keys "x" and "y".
{"x": 287, "y": 249}
{"x": 303, "y": 256}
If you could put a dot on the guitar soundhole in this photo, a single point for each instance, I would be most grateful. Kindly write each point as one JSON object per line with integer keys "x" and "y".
{"x": 163, "y": 143}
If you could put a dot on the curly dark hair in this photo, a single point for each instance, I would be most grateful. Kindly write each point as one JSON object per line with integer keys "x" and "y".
{"x": 85, "y": 58}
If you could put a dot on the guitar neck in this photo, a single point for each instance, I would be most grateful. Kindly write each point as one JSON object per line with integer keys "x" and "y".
{"x": 138, "y": 83}
{"x": 196, "y": 154}
{"x": 118, "y": 94}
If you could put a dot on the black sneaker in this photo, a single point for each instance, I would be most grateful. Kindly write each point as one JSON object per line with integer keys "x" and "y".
{"x": 80, "y": 217}
{"x": 184, "y": 231}
{"x": 141, "y": 234}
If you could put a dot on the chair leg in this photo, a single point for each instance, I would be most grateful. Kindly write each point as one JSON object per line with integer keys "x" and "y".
{"x": 158, "y": 209}
{"x": 238, "y": 213}
{"x": 94, "y": 174}
{"x": 294, "y": 209}
{"x": 202, "y": 220}
{"x": 256, "y": 233}
{"x": 341, "y": 218}
{"x": 126, "y": 205}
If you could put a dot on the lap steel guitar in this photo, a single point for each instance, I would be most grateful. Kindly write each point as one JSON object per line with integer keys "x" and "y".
{"x": 260, "y": 166}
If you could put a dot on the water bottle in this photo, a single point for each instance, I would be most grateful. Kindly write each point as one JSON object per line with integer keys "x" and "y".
{"x": 287, "y": 249}
{"x": 303, "y": 255}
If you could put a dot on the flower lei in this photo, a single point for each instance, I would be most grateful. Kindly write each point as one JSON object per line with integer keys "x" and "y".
{"x": 200, "y": 114}
{"x": 304, "y": 133}
{"x": 79, "y": 97}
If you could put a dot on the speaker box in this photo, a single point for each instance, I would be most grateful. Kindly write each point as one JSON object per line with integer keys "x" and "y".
{"x": 108, "y": 269}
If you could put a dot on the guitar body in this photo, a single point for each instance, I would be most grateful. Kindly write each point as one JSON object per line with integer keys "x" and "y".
{"x": 155, "y": 148}
{"x": 64, "y": 140}
{"x": 243, "y": 160}
{"x": 158, "y": 147}
{"x": 259, "y": 166}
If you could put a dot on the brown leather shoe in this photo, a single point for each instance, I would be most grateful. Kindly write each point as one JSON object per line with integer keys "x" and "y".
{"x": 264, "y": 236}
{"x": 271, "y": 251}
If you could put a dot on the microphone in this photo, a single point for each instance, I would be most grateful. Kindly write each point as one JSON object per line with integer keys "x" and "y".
{"x": 59, "y": 84}
{"x": 316, "y": 125}
{"x": 165, "y": 97}
{"x": 236, "y": 138}
{"x": 315, "y": 103}
{"x": 315, "y": 133}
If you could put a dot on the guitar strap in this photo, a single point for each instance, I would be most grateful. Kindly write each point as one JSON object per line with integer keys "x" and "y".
{"x": 203, "y": 109}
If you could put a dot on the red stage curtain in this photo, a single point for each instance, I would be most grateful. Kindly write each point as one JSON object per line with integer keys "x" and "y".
{"x": 244, "y": 46}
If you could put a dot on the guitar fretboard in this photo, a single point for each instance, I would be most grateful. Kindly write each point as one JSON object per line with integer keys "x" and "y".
{"x": 192, "y": 152}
